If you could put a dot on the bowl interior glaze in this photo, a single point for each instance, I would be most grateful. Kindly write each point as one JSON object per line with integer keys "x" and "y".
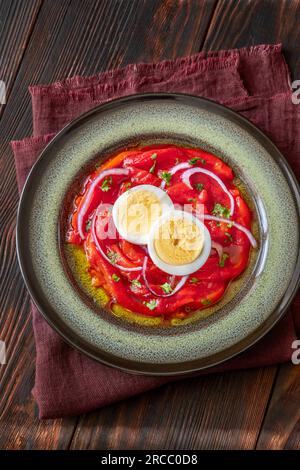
{"x": 268, "y": 286}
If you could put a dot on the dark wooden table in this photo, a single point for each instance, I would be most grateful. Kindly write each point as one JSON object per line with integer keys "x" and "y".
{"x": 46, "y": 40}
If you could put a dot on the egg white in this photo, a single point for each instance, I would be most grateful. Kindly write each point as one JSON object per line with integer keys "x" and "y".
{"x": 164, "y": 200}
{"x": 183, "y": 269}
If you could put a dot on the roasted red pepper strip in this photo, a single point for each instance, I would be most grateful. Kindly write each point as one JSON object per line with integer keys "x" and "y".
{"x": 143, "y": 177}
{"x": 211, "y": 162}
{"x": 180, "y": 194}
{"x": 134, "y": 252}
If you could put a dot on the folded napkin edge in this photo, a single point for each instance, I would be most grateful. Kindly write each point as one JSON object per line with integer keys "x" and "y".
{"x": 209, "y": 59}
{"x": 58, "y": 88}
{"x": 31, "y": 141}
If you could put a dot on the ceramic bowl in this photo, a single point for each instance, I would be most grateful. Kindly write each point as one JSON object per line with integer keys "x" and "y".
{"x": 259, "y": 298}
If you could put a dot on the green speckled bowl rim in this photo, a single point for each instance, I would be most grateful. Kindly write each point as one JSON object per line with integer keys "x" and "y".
{"x": 83, "y": 344}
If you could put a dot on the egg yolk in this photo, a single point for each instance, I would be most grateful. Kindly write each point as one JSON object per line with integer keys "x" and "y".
{"x": 139, "y": 211}
{"x": 178, "y": 241}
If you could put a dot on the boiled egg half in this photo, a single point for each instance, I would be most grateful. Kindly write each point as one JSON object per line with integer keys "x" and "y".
{"x": 179, "y": 243}
{"x": 137, "y": 210}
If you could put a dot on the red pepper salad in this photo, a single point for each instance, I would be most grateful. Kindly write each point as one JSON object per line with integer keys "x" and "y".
{"x": 126, "y": 267}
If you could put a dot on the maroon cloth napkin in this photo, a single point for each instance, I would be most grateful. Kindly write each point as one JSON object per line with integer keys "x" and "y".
{"x": 253, "y": 81}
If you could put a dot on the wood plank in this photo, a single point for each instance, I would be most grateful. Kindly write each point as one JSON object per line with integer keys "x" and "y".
{"x": 293, "y": 442}
{"x": 239, "y": 23}
{"x": 281, "y": 427}
{"x": 17, "y": 21}
{"x": 221, "y": 411}
{"x": 71, "y": 37}
{"x": 168, "y": 29}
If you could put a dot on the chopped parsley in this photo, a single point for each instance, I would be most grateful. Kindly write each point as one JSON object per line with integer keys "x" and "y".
{"x": 106, "y": 184}
{"x": 229, "y": 236}
{"x": 221, "y": 211}
{"x": 194, "y": 280}
{"x": 151, "y": 305}
{"x": 230, "y": 225}
{"x": 152, "y": 167}
{"x": 127, "y": 185}
{"x": 115, "y": 278}
{"x": 195, "y": 160}
{"x": 154, "y": 156}
{"x": 222, "y": 260}
{"x": 206, "y": 301}
{"x": 166, "y": 287}
{"x": 199, "y": 186}
{"x": 136, "y": 283}
{"x": 165, "y": 175}
{"x": 112, "y": 256}
{"x": 88, "y": 225}
{"x": 191, "y": 199}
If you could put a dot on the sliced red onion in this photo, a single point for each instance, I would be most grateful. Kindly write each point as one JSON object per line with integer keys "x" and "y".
{"x": 88, "y": 196}
{"x": 177, "y": 288}
{"x": 144, "y": 247}
{"x": 186, "y": 179}
{"x": 99, "y": 248}
{"x": 218, "y": 247}
{"x": 174, "y": 169}
{"x": 236, "y": 225}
